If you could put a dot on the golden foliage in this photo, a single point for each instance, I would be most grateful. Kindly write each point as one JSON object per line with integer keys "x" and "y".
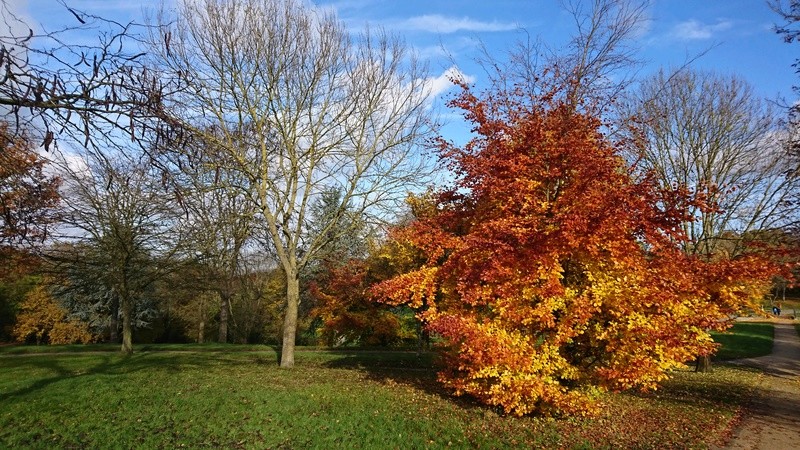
{"x": 42, "y": 319}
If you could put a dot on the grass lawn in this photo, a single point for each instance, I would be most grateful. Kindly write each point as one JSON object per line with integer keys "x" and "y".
{"x": 239, "y": 398}
{"x": 745, "y": 340}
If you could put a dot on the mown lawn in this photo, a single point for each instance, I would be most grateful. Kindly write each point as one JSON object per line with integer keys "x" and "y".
{"x": 745, "y": 340}
{"x": 345, "y": 399}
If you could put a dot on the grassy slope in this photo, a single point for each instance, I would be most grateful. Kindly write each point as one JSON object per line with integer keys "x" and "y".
{"x": 745, "y": 340}
{"x": 331, "y": 400}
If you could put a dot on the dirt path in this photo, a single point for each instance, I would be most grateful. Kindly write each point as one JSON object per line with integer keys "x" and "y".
{"x": 774, "y": 419}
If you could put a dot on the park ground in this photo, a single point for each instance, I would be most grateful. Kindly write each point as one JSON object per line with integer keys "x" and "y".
{"x": 172, "y": 396}
{"x": 773, "y": 415}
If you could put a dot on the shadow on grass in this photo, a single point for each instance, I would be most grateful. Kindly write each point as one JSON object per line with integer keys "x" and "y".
{"x": 67, "y": 366}
{"x": 726, "y": 386}
{"x": 416, "y": 370}
{"x": 62, "y": 372}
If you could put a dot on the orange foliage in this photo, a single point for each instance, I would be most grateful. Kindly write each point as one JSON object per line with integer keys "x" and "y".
{"x": 551, "y": 274}
{"x": 28, "y": 197}
{"x": 348, "y": 314}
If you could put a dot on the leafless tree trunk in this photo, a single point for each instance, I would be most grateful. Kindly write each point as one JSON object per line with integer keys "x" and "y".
{"x": 113, "y": 334}
{"x": 127, "y": 325}
{"x": 281, "y": 94}
{"x": 224, "y": 308}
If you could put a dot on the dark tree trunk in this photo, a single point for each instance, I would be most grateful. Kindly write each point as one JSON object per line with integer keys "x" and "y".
{"x": 127, "y": 327}
{"x": 703, "y": 364}
{"x": 225, "y": 304}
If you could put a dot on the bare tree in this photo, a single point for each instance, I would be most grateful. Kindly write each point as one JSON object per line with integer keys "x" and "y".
{"x": 91, "y": 91}
{"x": 121, "y": 222}
{"x": 601, "y": 56}
{"x": 218, "y": 226}
{"x": 598, "y": 63}
{"x": 789, "y": 11}
{"x": 711, "y": 134}
{"x": 283, "y": 95}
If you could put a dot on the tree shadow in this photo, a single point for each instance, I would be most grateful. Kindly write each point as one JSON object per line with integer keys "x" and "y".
{"x": 417, "y": 370}
{"x": 64, "y": 367}
{"x": 704, "y": 388}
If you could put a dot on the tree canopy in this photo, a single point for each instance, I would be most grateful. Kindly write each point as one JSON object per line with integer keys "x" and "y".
{"x": 551, "y": 271}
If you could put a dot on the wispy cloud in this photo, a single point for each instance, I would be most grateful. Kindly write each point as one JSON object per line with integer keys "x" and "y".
{"x": 693, "y": 30}
{"x": 443, "y": 83}
{"x": 436, "y": 23}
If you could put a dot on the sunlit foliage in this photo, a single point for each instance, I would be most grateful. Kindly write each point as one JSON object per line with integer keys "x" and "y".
{"x": 551, "y": 273}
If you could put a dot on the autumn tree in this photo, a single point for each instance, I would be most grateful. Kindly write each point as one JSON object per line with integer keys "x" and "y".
{"x": 282, "y": 94}
{"x": 348, "y": 313}
{"x": 43, "y": 320}
{"x": 552, "y": 273}
{"x": 28, "y": 197}
{"x": 29, "y": 200}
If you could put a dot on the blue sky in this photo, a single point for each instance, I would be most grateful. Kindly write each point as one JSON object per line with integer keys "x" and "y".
{"x": 736, "y": 35}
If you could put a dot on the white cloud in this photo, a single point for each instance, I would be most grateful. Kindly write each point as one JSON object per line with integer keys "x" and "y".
{"x": 442, "y": 83}
{"x": 436, "y": 23}
{"x": 691, "y": 30}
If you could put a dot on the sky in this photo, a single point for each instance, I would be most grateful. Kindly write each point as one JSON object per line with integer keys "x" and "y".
{"x": 727, "y": 36}
{"x": 733, "y": 36}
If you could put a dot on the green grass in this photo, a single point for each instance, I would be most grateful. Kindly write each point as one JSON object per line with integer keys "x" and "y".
{"x": 341, "y": 399}
{"x": 100, "y": 348}
{"x": 745, "y": 340}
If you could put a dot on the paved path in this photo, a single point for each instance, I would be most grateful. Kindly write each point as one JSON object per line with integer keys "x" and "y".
{"x": 774, "y": 419}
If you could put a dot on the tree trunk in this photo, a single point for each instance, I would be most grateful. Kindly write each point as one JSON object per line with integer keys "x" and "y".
{"x": 113, "y": 332}
{"x": 225, "y": 303}
{"x": 290, "y": 321}
{"x": 201, "y": 324}
{"x": 127, "y": 333}
{"x": 703, "y": 364}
